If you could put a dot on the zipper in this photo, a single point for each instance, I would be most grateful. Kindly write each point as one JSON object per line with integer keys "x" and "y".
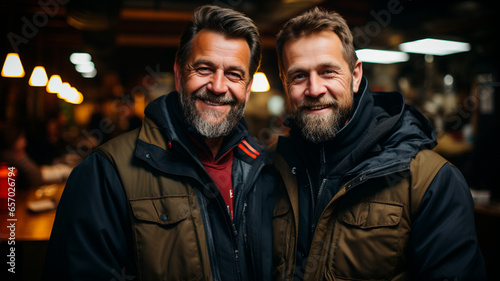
{"x": 321, "y": 189}
{"x": 312, "y": 225}
{"x": 230, "y": 223}
{"x": 244, "y": 234}
{"x": 200, "y": 194}
{"x": 323, "y": 162}
{"x": 364, "y": 177}
{"x": 254, "y": 172}
{"x": 240, "y": 204}
{"x": 210, "y": 240}
{"x": 231, "y": 226}
{"x": 244, "y": 223}
{"x": 314, "y": 200}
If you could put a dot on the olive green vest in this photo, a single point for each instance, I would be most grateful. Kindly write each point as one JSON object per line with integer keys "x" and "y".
{"x": 168, "y": 232}
{"x": 362, "y": 233}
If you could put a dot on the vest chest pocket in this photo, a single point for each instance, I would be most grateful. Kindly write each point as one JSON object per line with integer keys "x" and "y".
{"x": 373, "y": 214}
{"x": 165, "y": 210}
{"x": 169, "y": 239}
{"x": 369, "y": 241}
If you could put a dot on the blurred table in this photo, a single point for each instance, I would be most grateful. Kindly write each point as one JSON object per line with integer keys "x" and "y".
{"x": 32, "y": 232}
{"x": 31, "y": 226}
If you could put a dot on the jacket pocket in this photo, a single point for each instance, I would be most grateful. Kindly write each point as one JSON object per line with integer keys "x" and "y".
{"x": 373, "y": 214}
{"x": 165, "y": 210}
{"x": 368, "y": 241}
{"x": 169, "y": 239}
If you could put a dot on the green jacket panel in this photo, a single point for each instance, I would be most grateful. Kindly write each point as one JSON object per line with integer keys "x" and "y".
{"x": 164, "y": 212}
{"x": 363, "y": 231}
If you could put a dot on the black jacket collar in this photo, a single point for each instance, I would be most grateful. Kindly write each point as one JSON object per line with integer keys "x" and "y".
{"x": 382, "y": 131}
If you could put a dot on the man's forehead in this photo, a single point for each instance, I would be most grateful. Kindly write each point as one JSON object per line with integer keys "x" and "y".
{"x": 217, "y": 50}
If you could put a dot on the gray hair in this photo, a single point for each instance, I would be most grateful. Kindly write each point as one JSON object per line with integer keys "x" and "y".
{"x": 227, "y": 22}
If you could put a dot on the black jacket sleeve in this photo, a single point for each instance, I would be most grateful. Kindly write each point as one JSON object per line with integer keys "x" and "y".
{"x": 443, "y": 244}
{"x": 91, "y": 236}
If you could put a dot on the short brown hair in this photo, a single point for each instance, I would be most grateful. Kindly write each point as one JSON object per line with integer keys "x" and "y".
{"x": 227, "y": 22}
{"x": 313, "y": 21}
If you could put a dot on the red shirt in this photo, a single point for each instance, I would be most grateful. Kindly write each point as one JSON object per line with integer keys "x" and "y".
{"x": 220, "y": 171}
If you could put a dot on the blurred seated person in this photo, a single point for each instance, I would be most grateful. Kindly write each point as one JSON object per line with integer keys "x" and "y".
{"x": 45, "y": 145}
{"x": 13, "y": 152}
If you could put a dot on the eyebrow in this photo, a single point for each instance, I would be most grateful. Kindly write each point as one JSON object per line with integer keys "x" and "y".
{"x": 292, "y": 70}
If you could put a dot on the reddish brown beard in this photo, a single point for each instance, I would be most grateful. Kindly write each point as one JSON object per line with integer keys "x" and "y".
{"x": 318, "y": 128}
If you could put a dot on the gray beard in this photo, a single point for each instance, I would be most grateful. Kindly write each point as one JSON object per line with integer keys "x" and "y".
{"x": 205, "y": 128}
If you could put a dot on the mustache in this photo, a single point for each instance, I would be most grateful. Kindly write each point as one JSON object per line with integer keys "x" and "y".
{"x": 308, "y": 103}
{"x": 204, "y": 94}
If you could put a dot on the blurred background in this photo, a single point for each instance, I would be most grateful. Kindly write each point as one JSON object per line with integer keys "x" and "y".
{"x": 76, "y": 73}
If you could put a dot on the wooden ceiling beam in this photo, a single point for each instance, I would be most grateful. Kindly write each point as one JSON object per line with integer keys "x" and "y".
{"x": 155, "y": 15}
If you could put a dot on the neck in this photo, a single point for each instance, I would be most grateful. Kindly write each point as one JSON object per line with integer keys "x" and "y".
{"x": 214, "y": 145}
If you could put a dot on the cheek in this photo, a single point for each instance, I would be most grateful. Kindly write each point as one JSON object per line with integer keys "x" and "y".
{"x": 341, "y": 92}
{"x": 193, "y": 83}
{"x": 295, "y": 98}
{"x": 345, "y": 99}
{"x": 239, "y": 91}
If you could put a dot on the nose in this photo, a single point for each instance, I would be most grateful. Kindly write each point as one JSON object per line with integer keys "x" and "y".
{"x": 218, "y": 85}
{"x": 316, "y": 88}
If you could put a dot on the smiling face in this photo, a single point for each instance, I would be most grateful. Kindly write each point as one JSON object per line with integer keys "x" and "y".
{"x": 215, "y": 83}
{"x": 319, "y": 84}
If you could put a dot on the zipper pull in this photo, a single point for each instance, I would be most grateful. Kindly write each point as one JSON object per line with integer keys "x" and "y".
{"x": 236, "y": 258}
{"x": 235, "y": 231}
{"x": 323, "y": 155}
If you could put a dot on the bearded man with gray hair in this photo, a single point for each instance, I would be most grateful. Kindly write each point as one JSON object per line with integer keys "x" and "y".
{"x": 188, "y": 195}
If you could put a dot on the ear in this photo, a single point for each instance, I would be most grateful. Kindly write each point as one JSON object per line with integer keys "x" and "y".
{"x": 177, "y": 76}
{"x": 357, "y": 76}
{"x": 248, "y": 90}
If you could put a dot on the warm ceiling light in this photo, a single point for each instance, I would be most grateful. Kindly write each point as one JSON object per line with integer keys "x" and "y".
{"x": 80, "y": 98}
{"x": 260, "y": 83}
{"x": 436, "y": 47}
{"x": 72, "y": 95}
{"x": 76, "y": 97}
{"x": 64, "y": 91}
{"x": 38, "y": 77}
{"x": 381, "y": 56}
{"x": 79, "y": 58}
{"x": 54, "y": 84}
{"x": 12, "y": 66}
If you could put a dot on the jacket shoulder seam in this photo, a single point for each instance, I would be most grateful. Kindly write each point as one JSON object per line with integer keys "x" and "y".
{"x": 424, "y": 168}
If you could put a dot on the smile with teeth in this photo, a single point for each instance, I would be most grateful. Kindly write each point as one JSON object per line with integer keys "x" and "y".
{"x": 213, "y": 103}
{"x": 318, "y": 107}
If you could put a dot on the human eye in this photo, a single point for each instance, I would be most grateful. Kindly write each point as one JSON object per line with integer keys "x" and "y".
{"x": 328, "y": 73}
{"x": 234, "y": 76}
{"x": 203, "y": 70}
{"x": 298, "y": 77}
